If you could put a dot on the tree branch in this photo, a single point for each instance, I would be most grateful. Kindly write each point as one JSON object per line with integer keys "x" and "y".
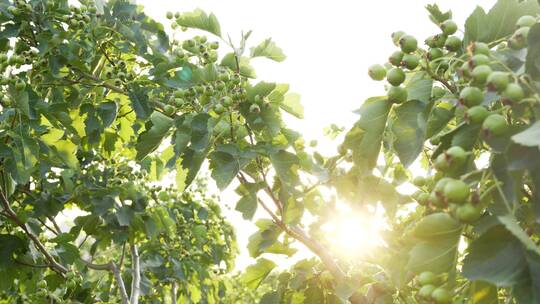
{"x": 136, "y": 275}
{"x": 55, "y": 266}
{"x": 117, "y": 275}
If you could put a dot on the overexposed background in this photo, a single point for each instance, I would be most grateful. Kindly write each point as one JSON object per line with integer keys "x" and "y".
{"x": 329, "y": 47}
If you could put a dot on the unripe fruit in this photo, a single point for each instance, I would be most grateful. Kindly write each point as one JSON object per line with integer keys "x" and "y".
{"x": 435, "y": 53}
{"x": 377, "y": 72}
{"x": 479, "y": 59}
{"x": 179, "y": 93}
{"x": 494, "y": 125}
{"x": 514, "y": 93}
{"x": 441, "y": 163}
{"x": 226, "y": 101}
{"x": 453, "y": 44}
{"x": 254, "y": 108}
{"x": 498, "y": 81}
{"x": 410, "y": 61}
{"x": 169, "y": 110}
{"x": 519, "y": 39}
{"x": 465, "y": 70}
{"x": 427, "y": 278}
{"x": 471, "y": 96}
{"x": 456, "y": 155}
{"x": 219, "y": 109}
{"x": 20, "y": 85}
{"x": 457, "y": 192}
{"x": 480, "y": 48}
{"x": 481, "y": 73}
{"x": 436, "y": 200}
{"x": 476, "y": 114}
{"x": 419, "y": 181}
{"x": 42, "y": 293}
{"x": 397, "y": 94}
{"x": 395, "y": 76}
{"x": 170, "y": 15}
{"x": 426, "y": 291}
{"x": 526, "y": 21}
{"x": 408, "y": 44}
{"x": 42, "y": 284}
{"x": 449, "y": 27}
{"x": 396, "y": 36}
{"x": 395, "y": 58}
{"x": 423, "y": 198}
{"x": 468, "y": 213}
{"x": 441, "y": 296}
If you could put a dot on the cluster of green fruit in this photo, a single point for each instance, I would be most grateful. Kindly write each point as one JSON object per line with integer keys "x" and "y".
{"x": 449, "y": 193}
{"x": 118, "y": 73}
{"x": 431, "y": 288}
{"x": 198, "y": 46}
{"x": 20, "y": 7}
{"x": 519, "y": 38}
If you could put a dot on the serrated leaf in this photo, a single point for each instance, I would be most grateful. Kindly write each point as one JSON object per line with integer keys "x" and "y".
{"x": 156, "y": 129}
{"x": 409, "y": 129}
{"x": 224, "y": 168}
{"x": 243, "y": 65}
{"x": 436, "y": 15}
{"x": 530, "y": 137}
{"x": 291, "y": 104}
{"x": 268, "y": 49}
{"x": 255, "y": 274}
{"x": 199, "y": 19}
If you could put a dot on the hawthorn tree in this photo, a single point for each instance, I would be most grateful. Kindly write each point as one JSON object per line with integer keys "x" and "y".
{"x": 101, "y": 110}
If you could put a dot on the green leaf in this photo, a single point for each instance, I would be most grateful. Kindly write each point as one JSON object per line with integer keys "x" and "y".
{"x": 438, "y": 118}
{"x": 495, "y": 257}
{"x": 268, "y": 49}
{"x": 419, "y": 87}
{"x": 530, "y": 137}
{"x": 139, "y": 102}
{"x": 156, "y": 129}
{"x": 255, "y": 274}
{"x": 483, "y": 293}
{"x": 286, "y": 164}
{"x": 532, "y": 62}
{"x": 364, "y": 139}
{"x": 409, "y": 129}
{"x": 9, "y": 246}
{"x": 200, "y": 20}
{"x": 224, "y": 168}
{"x": 499, "y": 22}
{"x": 67, "y": 151}
{"x": 436, "y": 15}
{"x": 247, "y": 204}
{"x": 243, "y": 65}
{"x": 291, "y": 104}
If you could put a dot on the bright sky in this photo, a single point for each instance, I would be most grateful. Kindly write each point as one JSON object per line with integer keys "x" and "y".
{"x": 329, "y": 44}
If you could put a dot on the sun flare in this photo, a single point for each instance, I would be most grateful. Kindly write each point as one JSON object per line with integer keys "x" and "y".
{"x": 354, "y": 234}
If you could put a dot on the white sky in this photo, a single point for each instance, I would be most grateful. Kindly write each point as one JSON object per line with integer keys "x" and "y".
{"x": 329, "y": 45}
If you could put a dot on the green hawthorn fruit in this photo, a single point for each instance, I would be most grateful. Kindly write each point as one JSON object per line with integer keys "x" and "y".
{"x": 14, "y": 10}
{"x": 395, "y": 76}
{"x": 476, "y": 115}
{"x": 471, "y": 96}
{"x": 395, "y": 58}
{"x": 498, "y": 81}
{"x": 526, "y": 21}
{"x": 426, "y": 291}
{"x": 514, "y": 92}
{"x": 20, "y": 85}
{"x": 456, "y": 155}
{"x": 42, "y": 284}
{"x": 170, "y": 15}
{"x": 481, "y": 73}
{"x": 479, "y": 59}
{"x": 441, "y": 163}
{"x": 519, "y": 38}
{"x": 226, "y": 101}
{"x": 430, "y": 41}
{"x": 377, "y": 72}
{"x": 456, "y": 192}
{"x": 178, "y": 102}
{"x": 427, "y": 278}
{"x": 396, "y": 36}
{"x": 419, "y": 181}
{"x": 408, "y": 43}
{"x": 423, "y": 198}
{"x": 169, "y": 110}
{"x": 478, "y": 48}
{"x": 397, "y": 94}
{"x": 118, "y": 82}
{"x": 42, "y": 293}
{"x": 410, "y": 61}
{"x": 441, "y": 296}
{"x": 214, "y": 45}
{"x": 440, "y": 40}
{"x": 468, "y": 213}
{"x": 179, "y": 93}
{"x": 219, "y": 108}
{"x": 494, "y": 125}
{"x": 435, "y": 53}
{"x": 453, "y": 44}
{"x": 449, "y": 27}
{"x": 254, "y": 108}
{"x": 465, "y": 70}
{"x": 436, "y": 200}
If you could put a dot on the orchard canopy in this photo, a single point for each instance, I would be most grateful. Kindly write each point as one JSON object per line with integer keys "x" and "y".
{"x": 113, "y": 135}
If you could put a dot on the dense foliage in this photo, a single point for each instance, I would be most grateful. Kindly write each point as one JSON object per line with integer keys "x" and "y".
{"x": 106, "y": 122}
